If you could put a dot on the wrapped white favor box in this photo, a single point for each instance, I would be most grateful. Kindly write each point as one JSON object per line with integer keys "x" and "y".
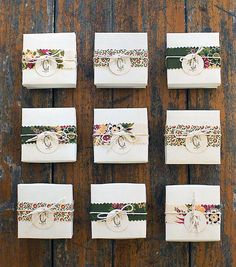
{"x": 45, "y": 211}
{"x": 48, "y": 135}
{"x": 121, "y": 60}
{"x": 120, "y": 135}
{"x": 118, "y": 211}
{"x": 193, "y": 60}
{"x": 49, "y": 60}
{"x": 193, "y": 213}
{"x": 192, "y": 137}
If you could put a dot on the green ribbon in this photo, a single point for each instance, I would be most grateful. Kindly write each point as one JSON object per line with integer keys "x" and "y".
{"x": 108, "y": 207}
{"x": 173, "y": 56}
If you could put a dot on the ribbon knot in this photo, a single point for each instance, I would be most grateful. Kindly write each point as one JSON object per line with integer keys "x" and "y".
{"x": 117, "y": 214}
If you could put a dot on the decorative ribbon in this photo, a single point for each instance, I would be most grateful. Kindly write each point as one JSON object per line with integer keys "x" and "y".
{"x": 176, "y": 135}
{"x": 102, "y": 212}
{"x": 138, "y": 57}
{"x": 61, "y": 212}
{"x": 177, "y": 214}
{"x": 210, "y": 56}
{"x": 111, "y": 134}
{"x": 63, "y": 59}
{"x": 64, "y": 134}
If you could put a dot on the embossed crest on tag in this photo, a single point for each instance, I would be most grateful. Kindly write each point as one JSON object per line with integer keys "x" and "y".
{"x": 47, "y": 142}
{"x": 43, "y": 219}
{"x": 192, "y": 64}
{"x": 118, "y": 220}
{"x": 196, "y": 143}
{"x": 120, "y": 65}
{"x": 46, "y": 66}
{"x": 195, "y": 222}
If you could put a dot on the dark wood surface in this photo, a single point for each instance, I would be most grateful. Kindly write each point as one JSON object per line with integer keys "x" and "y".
{"x": 86, "y": 17}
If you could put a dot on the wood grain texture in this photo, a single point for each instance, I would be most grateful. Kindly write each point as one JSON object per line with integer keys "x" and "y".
{"x": 85, "y": 17}
{"x": 18, "y": 17}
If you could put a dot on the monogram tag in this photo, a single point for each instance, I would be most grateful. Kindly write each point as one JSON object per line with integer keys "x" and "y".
{"x": 196, "y": 143}
{"x": 43, "y": 219}
{"x": 47, "y": 142}
{"x": 118, "y": 220}
{"x": 46, "y": 66}
{"x": 195, "y": 222}
{"x": 120, "y": 65}
{"x": 192, "y": 64}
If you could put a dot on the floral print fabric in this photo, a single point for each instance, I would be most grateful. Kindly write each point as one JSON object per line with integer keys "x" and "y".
{"x": 176, "y": 135}
{"x": 138, "y": 57}
{"x": 61, "y": 212}
{"x": 30, "y": 57}
{"x": 102, "y": 133}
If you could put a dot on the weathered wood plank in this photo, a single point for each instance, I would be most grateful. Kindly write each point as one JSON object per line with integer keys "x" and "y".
{"x": 15, "y": 19}
{"x": 218, "y": 16}
{"x": 157, "y": 18}
{"x": 85, "y": 18}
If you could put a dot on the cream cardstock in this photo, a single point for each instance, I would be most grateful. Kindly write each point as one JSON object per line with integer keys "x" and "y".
{"x": 62, "y": 78}
{"x": 136, "y": 77}
{"x": 46, "y": 193}
{"x": 208, "y": 78}
{"x": 118, "y": 193}
{"x": 183, "y": 194}
{"x": 48, "y": 117}
{"x": 180, "y": 154}
{"x": 138, "y": 152}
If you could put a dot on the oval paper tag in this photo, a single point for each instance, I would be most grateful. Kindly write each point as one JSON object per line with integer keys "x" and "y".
{"x": 43, "y": 219}
{"x": 120, "y": 144}
{"x": 196, "y": 143}
{"x": 120, "y": 65}
{"x": 118, "y": 222}
{"x": 197, "y": 224}
{"x": 192, "y": 64}
{"x": 47, "y": 142}
{"x": 46, "y": 66}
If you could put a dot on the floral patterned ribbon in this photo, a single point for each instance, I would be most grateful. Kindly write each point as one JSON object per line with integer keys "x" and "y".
{"x": 210, "y": 56}
{"x": 104, "y": 134}
{"x": 62, "y": 212}
{"x": 138, "y": 57}
{"x": 66, "y": 134}
{"x": 176, "y": 213}
{"x": 99, "y": 211}
{"x": 175, "y": 135}
{"x": 62, "y": 58}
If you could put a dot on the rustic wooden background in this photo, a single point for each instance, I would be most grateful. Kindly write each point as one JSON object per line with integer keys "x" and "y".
{"x": 86, "y": 17}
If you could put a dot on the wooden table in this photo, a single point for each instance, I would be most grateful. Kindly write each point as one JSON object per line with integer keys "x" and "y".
{"x": 86, "y": 17}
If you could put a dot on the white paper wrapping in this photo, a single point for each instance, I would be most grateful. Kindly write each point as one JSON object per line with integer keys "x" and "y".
{"x": 62, "y": 78}
{"x": 208, "y": 78}
{"x": 139, "y": 151}
{"x": 48, "y": 117}
{"x": 118, "y": 193}
{"x": 137, "y": 77}
{"x": 179, "y": 154}
{"x": 183, "y": 194}
{"x": 50, "y": 193}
